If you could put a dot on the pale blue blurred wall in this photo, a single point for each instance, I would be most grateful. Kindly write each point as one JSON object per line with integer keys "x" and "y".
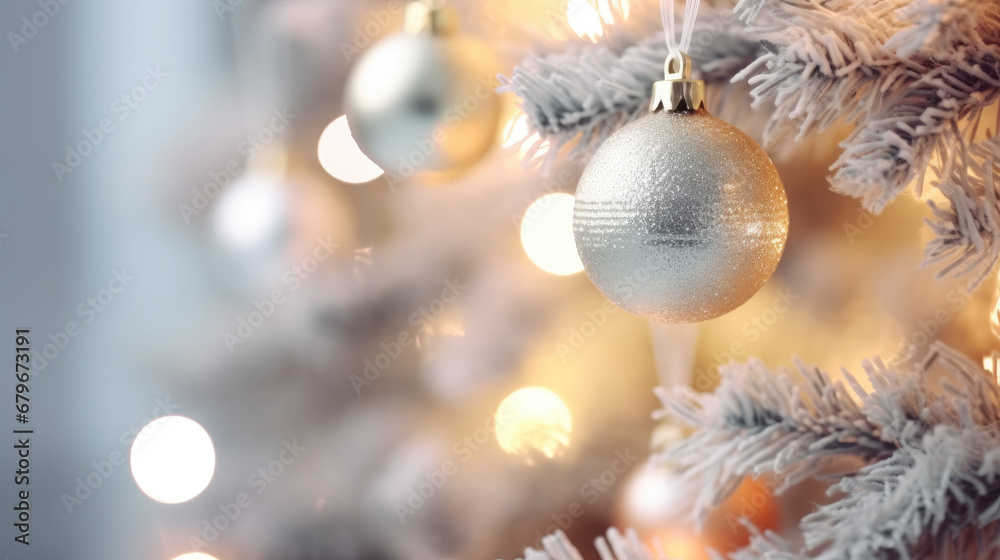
{"x": 64, "y": 239}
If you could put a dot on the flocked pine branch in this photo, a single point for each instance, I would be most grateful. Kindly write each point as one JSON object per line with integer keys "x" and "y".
{"x": 592, "y": 90}
{"x": 758, "y": 422}
{"x": 932, "y": 485}
{"x": 764, "y": 546}
{"x": 907, "y": 73}
{"x": 967, "y": 233}
{"x": 929, "y": 436}
{"x": 615, "y": 547}
{"x": 936, "y": 499}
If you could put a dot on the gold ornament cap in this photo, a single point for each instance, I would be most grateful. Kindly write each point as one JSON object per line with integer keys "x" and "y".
{"x": 430, "y": 17}
{"x": 677, "y": 91}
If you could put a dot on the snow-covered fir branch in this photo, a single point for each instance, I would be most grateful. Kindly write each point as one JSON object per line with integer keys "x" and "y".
{"x": 929, "y": 437}
{"x": 758, "y": 421}
{"x": 590, "y": 91}
{"x": 615, "y": 547}
{"x": 967, "y": 233}
{"x": 939, "y": 498}
{"x": 906, "y": 73}
{"x": 628, "y": 546}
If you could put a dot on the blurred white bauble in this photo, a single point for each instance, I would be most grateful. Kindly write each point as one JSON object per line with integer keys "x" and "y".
{"x": 269, "y": 220}
{"x": 657, "y": 500}
{"x": 249, "y": 227}
{"x": 252, "y": 214}
{"x": 655, "y": 494}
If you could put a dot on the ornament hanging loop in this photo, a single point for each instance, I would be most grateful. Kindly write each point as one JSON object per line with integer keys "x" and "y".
{"x": 677, "y": 91}
{"x": 430, "y": 17}
{"x": 677, "y": 66}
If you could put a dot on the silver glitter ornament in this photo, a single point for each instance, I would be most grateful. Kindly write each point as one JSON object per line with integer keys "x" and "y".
{"x": 680, "y": 217}
{"x": 423, "y": 99}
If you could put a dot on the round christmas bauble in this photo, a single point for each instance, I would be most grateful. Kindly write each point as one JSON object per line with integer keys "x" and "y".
{"x": 680, "y": 217}
{"x": 657, "y": 499}
{"x": 423, "y": 101}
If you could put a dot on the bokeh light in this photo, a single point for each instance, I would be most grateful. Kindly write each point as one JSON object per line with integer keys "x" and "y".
{"x": 533, "y": 421}
{"x": 547, "y": 234}
{"x": 995, "y": 316}
{"x": 518, "y": 133}
{"x": 341, "y": 157}
{"x": 251, "y": 213}
{"x": 195, "y": 556}
{"x": 587, "y": 18}
{"x": 172, "y": 459}
{"x": 988, "y": 364}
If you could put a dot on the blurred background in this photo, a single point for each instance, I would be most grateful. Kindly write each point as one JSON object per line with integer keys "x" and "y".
{"x": 379, "y": 363}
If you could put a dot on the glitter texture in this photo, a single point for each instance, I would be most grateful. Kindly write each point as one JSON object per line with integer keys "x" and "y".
{"x": 680, "y": 217}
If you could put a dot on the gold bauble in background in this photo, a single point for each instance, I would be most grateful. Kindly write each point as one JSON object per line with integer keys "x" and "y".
{"x": 424, "y": 99}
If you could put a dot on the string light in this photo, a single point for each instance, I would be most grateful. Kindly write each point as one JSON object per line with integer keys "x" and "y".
{"x": 172, "y": 459}
{"x": 587, "y": 18}
{"x": 533, "y": 421}
{"x": 547, "y": 234}
{"x": 991, "y": 362}
{"x": 518, "y": 133}
{"x": 995, "y": 316}
{"x": 341, "y": 157}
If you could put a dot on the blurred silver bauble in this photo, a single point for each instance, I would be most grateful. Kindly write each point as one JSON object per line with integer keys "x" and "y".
{"x": 251, "y": 216}
{"x": 424, "y": 99}
{"x": 680, "y": 217}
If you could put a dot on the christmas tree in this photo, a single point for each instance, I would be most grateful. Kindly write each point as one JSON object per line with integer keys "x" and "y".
{"x": 538, "y": 279}
{"x": 443, "y": 318}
